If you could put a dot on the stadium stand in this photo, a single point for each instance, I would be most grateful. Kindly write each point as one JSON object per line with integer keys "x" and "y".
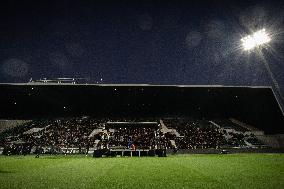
{"x": 228, "y": 124}
{"x": 196, "y": 134}
{"x": 180, "y": 117}
{"x": 80, "y": 134}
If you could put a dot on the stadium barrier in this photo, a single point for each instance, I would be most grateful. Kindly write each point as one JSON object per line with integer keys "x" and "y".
{"x": 101, "y": 152}
{"x": 161, "y": 152}
{"x": 230, "y": 150}
{"x": 128, "y": 152}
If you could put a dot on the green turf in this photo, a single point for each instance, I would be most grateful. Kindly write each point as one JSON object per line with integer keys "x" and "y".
{"x": 182, "y": 171}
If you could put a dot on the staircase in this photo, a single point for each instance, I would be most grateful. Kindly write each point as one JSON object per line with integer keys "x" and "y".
{"x": 165, "y": 129}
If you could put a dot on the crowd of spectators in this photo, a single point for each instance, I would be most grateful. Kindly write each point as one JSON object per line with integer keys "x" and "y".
{"x": 64, "y": 133}
{"x": 196, "y": 134}
{"x": 76, "y": 133}
{"x": 236, "y": 139}
{"x": 141, "y": 137}
{"x": 164, "y": 140}
{"x": 55, "y": 133}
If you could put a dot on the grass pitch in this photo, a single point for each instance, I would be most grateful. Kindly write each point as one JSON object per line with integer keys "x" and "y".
{"x": 181, "y": 171}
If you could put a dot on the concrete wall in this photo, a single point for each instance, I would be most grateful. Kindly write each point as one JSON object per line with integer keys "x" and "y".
{"x": 280, "y": 139}
{"x": 7, "y": 124}
{"x": 274, "y": 141}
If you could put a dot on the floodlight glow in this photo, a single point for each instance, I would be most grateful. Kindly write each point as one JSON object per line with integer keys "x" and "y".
{"x": 255, "y": 40}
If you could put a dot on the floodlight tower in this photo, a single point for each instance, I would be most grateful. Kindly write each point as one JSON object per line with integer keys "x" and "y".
{"x": 256, "y": 41}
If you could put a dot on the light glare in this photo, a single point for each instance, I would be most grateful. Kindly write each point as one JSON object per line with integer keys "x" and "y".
{"x": 255, "y": 40}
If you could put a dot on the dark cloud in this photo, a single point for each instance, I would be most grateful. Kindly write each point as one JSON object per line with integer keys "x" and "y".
{"x": 14, "y": 67}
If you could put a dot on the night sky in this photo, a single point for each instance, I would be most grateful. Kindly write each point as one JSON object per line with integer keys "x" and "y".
{"x": 153, "y": 42}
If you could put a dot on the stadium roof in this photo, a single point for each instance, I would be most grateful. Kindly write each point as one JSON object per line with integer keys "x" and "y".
{"x": 255, "y": 105}
{"x": 131, "y": 84}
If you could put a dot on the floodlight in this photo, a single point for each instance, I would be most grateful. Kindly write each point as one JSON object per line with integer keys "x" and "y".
{"x": 255, "y": 40}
